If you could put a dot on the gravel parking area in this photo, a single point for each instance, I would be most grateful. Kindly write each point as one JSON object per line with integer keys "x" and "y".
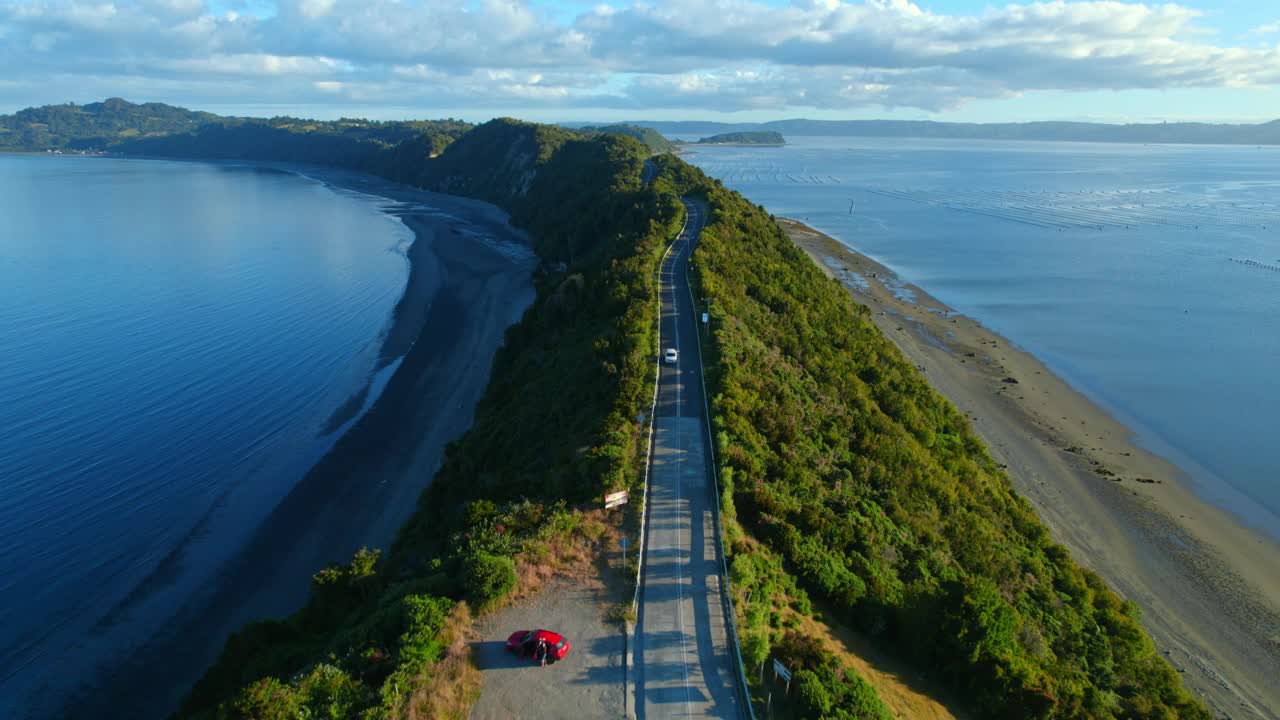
{"x": 588, "y": 683}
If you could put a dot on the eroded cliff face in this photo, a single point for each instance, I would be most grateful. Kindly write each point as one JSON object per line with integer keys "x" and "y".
{"x": 497, "y": 161}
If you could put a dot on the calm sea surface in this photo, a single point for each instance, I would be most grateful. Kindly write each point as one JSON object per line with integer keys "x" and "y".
{"x": 1147, "y": 276}
{"x": 174, "y": 339}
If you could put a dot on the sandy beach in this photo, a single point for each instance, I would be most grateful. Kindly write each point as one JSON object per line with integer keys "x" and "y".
{"x": 470, "y": 278}
{"x": 1208, "y": 587}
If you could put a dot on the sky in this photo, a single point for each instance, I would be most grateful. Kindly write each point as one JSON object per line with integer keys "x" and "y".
{"x": 728, "y": 60}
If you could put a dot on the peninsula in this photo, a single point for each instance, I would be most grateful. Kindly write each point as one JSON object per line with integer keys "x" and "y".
{"x": 853, "y": 493}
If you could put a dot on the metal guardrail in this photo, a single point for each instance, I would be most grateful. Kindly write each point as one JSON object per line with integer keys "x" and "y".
{"x": 715, "y": 478}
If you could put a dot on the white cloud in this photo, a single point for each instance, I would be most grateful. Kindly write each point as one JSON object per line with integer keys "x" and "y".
{"x": 252, "y": 65}
{"x": 1267, "y": 29}
{"x": 696, "y": 54}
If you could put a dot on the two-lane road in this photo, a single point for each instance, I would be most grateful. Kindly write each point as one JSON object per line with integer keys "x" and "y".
{"x": 685, "y": 666}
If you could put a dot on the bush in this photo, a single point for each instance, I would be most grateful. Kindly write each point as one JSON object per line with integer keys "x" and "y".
{"x": 326, "y": 692}
{"x": 815, "y": 701}
{"x": 488, "y": 578}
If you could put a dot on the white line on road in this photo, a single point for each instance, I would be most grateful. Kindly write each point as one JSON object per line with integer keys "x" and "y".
{"x": 684, "y": 650}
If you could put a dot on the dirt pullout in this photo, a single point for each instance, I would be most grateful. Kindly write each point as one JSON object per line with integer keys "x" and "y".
{"x": 568, "y": 586}
{"x": 588, "y": 683}
{"x": 1209, "y": 588}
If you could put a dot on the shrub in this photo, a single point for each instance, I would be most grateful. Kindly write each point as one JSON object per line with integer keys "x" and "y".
{"x": 488, "y": 577}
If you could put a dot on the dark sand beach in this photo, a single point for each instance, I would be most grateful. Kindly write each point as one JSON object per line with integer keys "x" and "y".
{"x": 1208, "y": 587}
{"x": 469, "y": 280}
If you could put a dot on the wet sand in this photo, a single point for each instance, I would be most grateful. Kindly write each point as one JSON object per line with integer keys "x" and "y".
{"x": 470, "y": 279}
{"x": 1208, "y": 587}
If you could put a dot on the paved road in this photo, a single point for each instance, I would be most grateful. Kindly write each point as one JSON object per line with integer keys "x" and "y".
{"x": 683, "y": 661}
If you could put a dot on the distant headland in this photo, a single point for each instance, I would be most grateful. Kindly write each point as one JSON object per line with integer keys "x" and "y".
{"x": 757, "y": 137}
{"x": 1152, "y": 133}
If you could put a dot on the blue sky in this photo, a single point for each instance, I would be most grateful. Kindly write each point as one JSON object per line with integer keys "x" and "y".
{"x": 955, "y": 60}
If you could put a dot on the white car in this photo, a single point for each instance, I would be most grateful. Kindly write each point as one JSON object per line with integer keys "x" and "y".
{"x": 671, "y": 356}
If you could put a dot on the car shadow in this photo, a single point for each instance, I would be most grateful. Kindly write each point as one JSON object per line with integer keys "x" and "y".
{"x": 493, "y": 655}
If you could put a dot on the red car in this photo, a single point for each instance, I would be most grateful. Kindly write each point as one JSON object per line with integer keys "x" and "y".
{"x": 525, "y": 644}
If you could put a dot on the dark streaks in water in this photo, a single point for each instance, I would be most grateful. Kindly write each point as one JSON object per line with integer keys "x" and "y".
{"x": 173, "y": 338}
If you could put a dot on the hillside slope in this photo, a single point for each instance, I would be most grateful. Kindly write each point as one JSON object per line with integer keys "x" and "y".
{"x": 157, "y": 129}
{"x": 876, "y": 495}
{"x": 384, "y": 636}
{"x": 651, "y": 138}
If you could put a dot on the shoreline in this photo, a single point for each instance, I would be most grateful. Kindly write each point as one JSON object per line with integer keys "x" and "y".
{"x": 1207, "y": 584}
{"x": 463, "y": 292}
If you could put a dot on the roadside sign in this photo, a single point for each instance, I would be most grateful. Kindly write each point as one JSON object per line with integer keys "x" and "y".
{"x": 706, "y": 318}
{"x": 612, "y": 500}
{"x": 781, "y": 670}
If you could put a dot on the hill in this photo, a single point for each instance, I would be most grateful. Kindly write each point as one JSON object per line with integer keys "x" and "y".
{"x": 651, "y": 138}
{"x": 94, "y": 126}
{"x": 156, "y": 128}
{"x": 1175, "y": 133}
{"x": 744, "y": 138}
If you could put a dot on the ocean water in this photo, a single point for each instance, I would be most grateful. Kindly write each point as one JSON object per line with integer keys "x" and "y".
{"x": 175, "y": 339}
{"x": 1147, "y": 276}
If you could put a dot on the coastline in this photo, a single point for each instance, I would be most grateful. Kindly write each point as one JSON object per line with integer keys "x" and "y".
{"x": 470, "y": 278}
{"x": 1207, "y": 585}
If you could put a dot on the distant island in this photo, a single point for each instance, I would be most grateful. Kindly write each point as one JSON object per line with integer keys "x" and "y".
{"x": 759, "y": 137}
{"x": 1171, "y": 133}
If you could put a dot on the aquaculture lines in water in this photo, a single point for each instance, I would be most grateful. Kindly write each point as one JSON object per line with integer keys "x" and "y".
{"x": 766, "y": 173}
{"x": 1256, "y": 264}
{"x": 1100, "y": 210}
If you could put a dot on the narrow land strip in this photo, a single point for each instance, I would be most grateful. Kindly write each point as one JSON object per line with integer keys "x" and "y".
{"x": 1208, "y": 588}
{"x": 684, "y": 663}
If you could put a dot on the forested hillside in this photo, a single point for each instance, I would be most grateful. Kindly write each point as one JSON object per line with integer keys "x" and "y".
{"x": 651, "y": 138}
{"x": 94, "y": 126}
{"x": 744, "y": 138}
{"x": 382, "y": 148}
{"x": 159, "y": 129}
{"x": 384, "y": 635}
{"x": 880, "y": 500}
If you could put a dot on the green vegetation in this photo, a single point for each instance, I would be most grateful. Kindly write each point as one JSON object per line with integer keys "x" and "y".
{"x": 745, "y": 138}
{"x": 383, "y": 148}
{"x": 556, "y": 428}
{"x": 837, "y": 456}
{"x": 651, "y": 138}
{"x": 159, "y": 129}
{"x": 94, "y": 126}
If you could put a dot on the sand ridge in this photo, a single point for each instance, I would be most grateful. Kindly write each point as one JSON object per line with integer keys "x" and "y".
{"x": 1208, "y": 587}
